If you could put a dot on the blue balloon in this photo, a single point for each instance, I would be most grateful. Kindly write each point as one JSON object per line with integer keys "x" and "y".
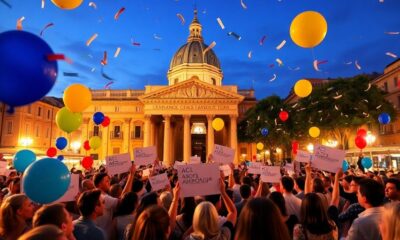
{"x": 61, "y": 143}
{"x": 23, "y": 159}
{"x": 384, "y": 118}
{"x": 264, "y": 132}
{"x": 46, "y": 180}
{"x": 60, "y": 157}
{"x": 98, "y": 117}
{"x": 366, "y": 162}
{"x": 26, "y": 74}
{"x": 345, "y": 165}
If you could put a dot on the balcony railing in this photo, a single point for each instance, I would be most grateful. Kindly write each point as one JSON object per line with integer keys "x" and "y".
{"x": 91, "y": 134}
{"x": 133, "y": 136}
{"x": 116, "y": 135}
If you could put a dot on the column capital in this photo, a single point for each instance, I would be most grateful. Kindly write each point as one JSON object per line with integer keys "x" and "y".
{"x": 166, "y": 116}
{"x": 146, "y": 116}
{"x": 210, "y": 117}
{"x": 128, "y": 120}
{"x": 233, "y": 116}
{"x": 186, "y": 116}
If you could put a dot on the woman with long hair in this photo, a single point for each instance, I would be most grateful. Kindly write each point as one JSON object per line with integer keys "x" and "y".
{"x": 185, "y": 218}
{"x": 152, "y": 224}
{"x": 289, "y": 220}
{"x": 314, "y": 221}
{"x": 389, "y": 225}
{"x": 14, "y": 212}
{"x": 124, "y": 214}
{"x": 258, "y": 221}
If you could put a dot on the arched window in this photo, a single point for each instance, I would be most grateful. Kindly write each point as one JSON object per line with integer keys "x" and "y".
{"x": 214, "y": 82}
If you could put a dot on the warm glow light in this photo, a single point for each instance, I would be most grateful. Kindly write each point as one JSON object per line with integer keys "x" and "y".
{"x": 75, "y": 145}
{"x": 331, "y": 143}
{"x": 310, "y": 147}
{"x": 370, "y": 138}
{"x": 26, "y": 141}
{"x": 278, "y": 150}
{"x": 267, "y": 152}
{"x": 198, "y": 128}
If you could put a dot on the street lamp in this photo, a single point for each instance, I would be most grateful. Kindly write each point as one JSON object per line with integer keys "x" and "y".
{"x": 310, "y": 147}
{"x": 75, "y": 146}
{"x": 26, "y": 141}
{"x": 370, "y": 138}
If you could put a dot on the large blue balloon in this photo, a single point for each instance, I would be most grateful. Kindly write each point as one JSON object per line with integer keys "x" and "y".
{"x": 46, "y": 180}
{"x": 61, "y": 143}
{"x": 264, "y": 132}
{"x": 23, "y": 159}
{"x": 345, "y": 165}
{"x": 366, "y": 162}
{"x": 98, "y": 117}
{"x": 26, "y": 74}
{"x": 384, "y": 118}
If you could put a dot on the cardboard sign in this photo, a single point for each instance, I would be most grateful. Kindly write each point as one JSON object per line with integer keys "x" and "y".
{"x": 254, "y": 167}
{"x": 72, "y": 191}
{"x": 177, "y": 163}
{"x": 198, "y": 179}
{"x": 270, "y": 174}
{"x": 195, "y": 160}
{"x": 327, "y": 159}
{"x": 303, "y": 156}
{"x": 120, "y": 163}
{"x": 222, "y": 154}
{"x": 226, "y": 169}
{"x": 3, "y": 168}
{"x": 159, "y": 181}
{"x": 145, "y": 156}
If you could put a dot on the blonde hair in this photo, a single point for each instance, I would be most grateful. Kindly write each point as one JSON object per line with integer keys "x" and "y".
{"x": 391, "y": 220}
{"x": 43, "y": 232}
{"x": 205, "y": 221}
{"x": 10, "y": 222}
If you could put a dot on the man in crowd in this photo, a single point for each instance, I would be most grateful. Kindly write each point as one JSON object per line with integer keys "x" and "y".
{"x": 392, "y": 189}
{"x": 292, "y": 202}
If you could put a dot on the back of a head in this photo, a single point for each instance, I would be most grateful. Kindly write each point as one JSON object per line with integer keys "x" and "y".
{"x": 98, "y": 177}
{"x": 8, "y": 213}
{"x": 115, "y": 190}
{"x": 373, "y": 191}
{"x": 205, "y": 220}
{"x": 246, "y": 180}
{"x": 166, "y": 199}
{"x": 313, "y": 215}
{"x": 245, "y": 191}
{"x": 87, "y": 184}
{"x": 137, "y": 185}
{"x": 348, "y": 178}
{"x": 279, "y": 201}
{"x": 128, "y": 204}
{"x": 214, "y": 199}
{"x": 88, "y": 201}
{"x": 287, "y": 183}
{"x": 390, "y": 222}
{"x": 45, "y": 232}
{"x": 152, "y": 224}
{"x": 318, "y": 185}
{"x": 50, "y": 214}
{"x": 260, "y": 219}
{"x": 300, "y": 182}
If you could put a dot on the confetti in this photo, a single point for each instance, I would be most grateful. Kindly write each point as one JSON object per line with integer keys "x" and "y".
{"x": 157, "y": 37}
{"x": 390, "y": 54}
{"x": 180, "y": 16}
{"x": 369, "y": 86}
{"x": 379, "y": 106}
{"x": 336, "y": 107}
{"x": 107, "y": 86}
{"x": 117, "y": 52}
{"x": 365, "y": 100}
{"x": 234, "y": 35}
{"x": 281, "y": 45}
{"x": 70, "y": 74}
{"x": 243, "y": 5}
{"x": 294, "y": 69}
{"x": 104, "y": 60}
{"x": 357, "y": 65}
{"x": 42, "y": 4}
{"x": 56, "y": 57}
{"x": 392, "y": 33}
{"x": 211, "y": 46}
{"x": 271, "y": 65}
{"x": 91, "y": 39}
{"x": 249, "y": 55}
{"x": 105, "y": 75}
{"x": 295, "y": 105}
{"x": 280, "y": 63}
{"x": 19, "y": 23}
{"x": 338, "y": 97}
{"x": 262, "y": 40}
{"x": 119, "y": 13}
{"x": 93, "y": 5}
{"x": 381, "y": 1}
{"x": 273, "y": 78}
{"x": 45, "y": 27}
{"x": 136, "y": 44}
{"x": 258, "y": 118}
{"x": 348, "y": 63}
{"x": 221, "y": 24}
{"x": 315, "y": 64}
{"x": 93, "y": 69}
{"x": 6, "y": 3}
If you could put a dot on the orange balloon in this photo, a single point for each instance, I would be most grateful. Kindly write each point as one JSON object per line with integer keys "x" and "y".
{"x": 308, "y": 29}
{"x": 67, "y": 4}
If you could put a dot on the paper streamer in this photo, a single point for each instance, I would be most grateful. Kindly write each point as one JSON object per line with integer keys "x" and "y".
{"x": 281, "y": 45}
{"x": 221, "y": 24}
{"x": 91, "y": 39}
{"x": 117, "y": 52}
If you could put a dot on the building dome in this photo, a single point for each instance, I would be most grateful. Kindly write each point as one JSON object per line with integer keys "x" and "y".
{"x": 192, "y": 52}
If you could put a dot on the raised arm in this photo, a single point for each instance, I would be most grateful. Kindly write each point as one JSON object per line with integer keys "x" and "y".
{"x": 173, "y": 209}
{"x": 335, "y": 192}
{"x": 231, "y": 180}
{"x": 129, "y": 181}
{"x": 230, "y": 206}
{"x": 308, "y": 181}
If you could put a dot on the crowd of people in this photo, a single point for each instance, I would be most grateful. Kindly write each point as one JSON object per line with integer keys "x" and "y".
{"x": 306, "y": 205}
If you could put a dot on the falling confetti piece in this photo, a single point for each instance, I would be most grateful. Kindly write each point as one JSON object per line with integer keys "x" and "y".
{"x": 93, "y": 5}
{"x": 249, "y": 55}
{"x": 294, "y": 69}
{"x": 243, "y": 5}
{"x": 338, "y": 97}
{"x": 280, "y": 63}
{"x": 392, "y": 33}
{"x": 56, "y": 57}
{"x": 180, "y": 16}
{"x": 204, "y": 11}
{"x": 211, "y": 46}
{"x": 91, "y": 39}
{"x": 19, "y": 23}
{"x": 276, "y": 123}
{"x": 42, "y": 4}
{"x": 234, "y": 35}
{"x": 391, "y": 55}
{"x": 369, "y": 86}
{"x": 281, "y": 45}
{"x": 6, "y": 3}
{"x": 45, "y": 27}
{"x": 119, "y": 13}
{"x": 295, "y": 105}
{"x": 117, "y": 52}
{"x": 379, "y": 106}
{"x": 271, "y": 65}
{"x": 381, "y": 1}
{"x": 70, "y": 74}
{"x": 93, "y": 69}
{"x": 258, "y": 118}
{"x": 104, "y": 60}
{"x": 315, "y": 64}
{"x": 365, "y": 100}
{"x": 221, "y": 24}
{"x": 136, "y": 44}
{"x": 107, "y": 86}
{"x": 157, "y": 37}
{"x": 273, "y": 78}
{"x": 357, "y": 65}
{"x": 336, "y": 107}
{"x": 262, "y": 40}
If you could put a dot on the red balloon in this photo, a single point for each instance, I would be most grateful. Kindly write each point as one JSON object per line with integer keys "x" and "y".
{"x": 283, "y": 116}
{"x": 1, "y": 156}
{"x": 51, "y": 152}
{"x": 360, "y": 142}
{"x": 295, "y": 147}
{"x": 87, "y": 162}
{"x": 86, "y": 145}
{"x": 106, "y": 121}
{"x": 362, "y": 132}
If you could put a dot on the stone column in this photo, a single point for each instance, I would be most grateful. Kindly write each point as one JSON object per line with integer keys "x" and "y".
{"x": 126, "y": 134}
{"x": 210, "y": 135}
{"x": 233, "y": 136}
{"x": 187, "y": 143}
{"x": 146, "y": 131}
{"x": 152, "y": 133}
{"x": 167, "y": 142}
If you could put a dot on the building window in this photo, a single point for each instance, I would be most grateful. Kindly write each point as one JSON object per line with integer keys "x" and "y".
{"x": 116, "y": 109}
{"x": 48, "y": 114}
{"x": 385, "y": 87}
{"x": 39, "y": 112}
{"x": 29, "y": 109}
{"x": 117, "y": 131}
{"x": 398, "y": 101}
{"x": 176, "y": 80}
{"x": 213, "y": 81}
{"x": 138, "y": 109}
{"x": 9, "y": 127}
{"x": 395, "y": 82}
{"x": 96, "y": 131}
{"x": 97, "y": 108}
{"x": 47, "y": 132}
{"x": 138, "y": 130}
{"x": 94, "y": 156}
{"x": 37, "y": 131}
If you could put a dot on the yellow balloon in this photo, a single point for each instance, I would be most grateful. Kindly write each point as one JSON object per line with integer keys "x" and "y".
{"x": 314, "y": 132}
{"x": 95, "y": 142}
{"x": 67, "y": 4}
{"x": 77, "y": 97}
{"x": 260, "y": 146}
{"x": 303, "y": 88}
{"x": 308, "y": 29}
{"x": 218, "y": 124}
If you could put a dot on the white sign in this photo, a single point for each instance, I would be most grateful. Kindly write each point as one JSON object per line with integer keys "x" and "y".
{"x": 271, "y": 174}
{"x": 328, "y": 159}
{"x": 145, "y": 156}
{"x": 159, "y": 181}
{"x": 226, "y": 169}
{"x": 303, "y": 156}
{"x": 195, "y": 160}
{"x": 198, "y": 179}
{"x": 222, "y": 154}
{"x": 254, "y": 167}
{"x": 120, "y": 163}
{"x": 72, "y": 191}
{"x": 177, "y": 163}
{"x": 3, "y": 168}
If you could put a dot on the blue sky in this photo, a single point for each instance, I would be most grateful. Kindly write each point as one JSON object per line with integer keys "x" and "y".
{"x": 356, "y": 31}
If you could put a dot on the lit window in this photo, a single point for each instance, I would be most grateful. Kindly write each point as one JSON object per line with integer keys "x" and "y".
{"x": 9, "y": 127}
{"x": 198, "y": 128}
